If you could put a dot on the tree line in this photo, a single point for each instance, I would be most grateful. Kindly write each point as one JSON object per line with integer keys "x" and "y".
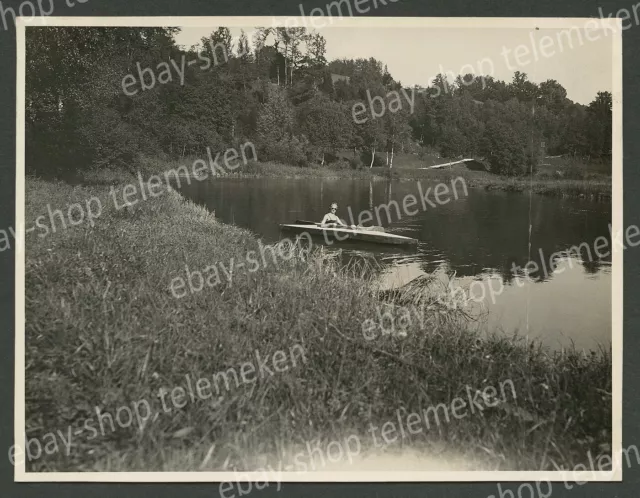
{"x": 278, "y": 91}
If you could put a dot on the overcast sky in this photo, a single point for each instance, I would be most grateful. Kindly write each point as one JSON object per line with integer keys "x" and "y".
{"x": 414, "y": 55}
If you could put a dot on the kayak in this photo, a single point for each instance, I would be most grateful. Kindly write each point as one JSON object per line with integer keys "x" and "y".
{"x": 364, "y": 234}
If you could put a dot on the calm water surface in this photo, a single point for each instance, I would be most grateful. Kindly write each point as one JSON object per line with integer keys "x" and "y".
{"x": 477, "y": 237}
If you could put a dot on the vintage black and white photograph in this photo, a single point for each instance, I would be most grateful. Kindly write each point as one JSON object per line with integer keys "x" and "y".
{"x": 320, "y": 248}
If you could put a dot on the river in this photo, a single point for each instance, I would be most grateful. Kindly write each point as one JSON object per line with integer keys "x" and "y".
{"x": 478, "y": 237}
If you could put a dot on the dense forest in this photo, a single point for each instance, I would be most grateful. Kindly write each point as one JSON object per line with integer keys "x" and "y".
{"x": 99, "y": 97}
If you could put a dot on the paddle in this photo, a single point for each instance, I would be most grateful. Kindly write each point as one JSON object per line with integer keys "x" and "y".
{"x": 373, "y": 228}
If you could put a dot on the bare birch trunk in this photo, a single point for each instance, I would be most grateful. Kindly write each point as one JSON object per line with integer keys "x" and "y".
{"x": 286, "y": 72}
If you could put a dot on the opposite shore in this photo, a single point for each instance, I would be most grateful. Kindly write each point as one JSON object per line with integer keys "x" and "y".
{"x": 597, "y": 187}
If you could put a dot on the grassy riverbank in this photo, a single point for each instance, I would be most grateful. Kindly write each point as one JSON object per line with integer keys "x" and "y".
{"x": 103, "y": 329}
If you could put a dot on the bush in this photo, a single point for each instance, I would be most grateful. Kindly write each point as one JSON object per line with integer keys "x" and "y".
{"x": 365, "y": 158}
{"x": 412, "y": 147}
{"x": 356, "y": 163}
{"x": 341, "y": 164}
{"x": 288, "y": 150}
{"x": 573, "y": 172}
{"x": 330, "y": 157}
{"x": 428, "y": 151}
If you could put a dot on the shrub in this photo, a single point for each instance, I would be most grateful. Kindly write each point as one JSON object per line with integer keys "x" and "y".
{"x": 356, "y": 163}
{"x": 574, "y": 172}
{"x": 341, "y": 164}
{"x": 288, "y": 150}
{"x": 365, "y": 158}
{"x": 331, "y": 157}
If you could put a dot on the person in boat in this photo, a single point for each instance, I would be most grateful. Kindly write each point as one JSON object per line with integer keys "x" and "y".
{"x": 331, "y": 218}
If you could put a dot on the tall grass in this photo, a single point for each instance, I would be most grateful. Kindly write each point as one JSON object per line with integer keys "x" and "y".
{"x": 104, "y": 330}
